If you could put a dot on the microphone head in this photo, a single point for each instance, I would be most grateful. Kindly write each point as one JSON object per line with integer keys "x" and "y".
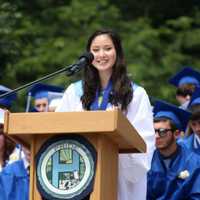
{"x": 83, "y": 61}
{"x": 88, "y": 56}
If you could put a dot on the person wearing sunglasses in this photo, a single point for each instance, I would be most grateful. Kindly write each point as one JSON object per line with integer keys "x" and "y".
{"x": 175, "y": 170}
{"x": 186, "y": 80}
{"x": 192, "y": 137}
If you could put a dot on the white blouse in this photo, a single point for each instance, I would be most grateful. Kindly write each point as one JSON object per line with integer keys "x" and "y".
{"x": 132, "y": 177}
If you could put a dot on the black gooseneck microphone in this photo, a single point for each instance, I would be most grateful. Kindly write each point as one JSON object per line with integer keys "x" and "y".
{"x": 83, "y": 61}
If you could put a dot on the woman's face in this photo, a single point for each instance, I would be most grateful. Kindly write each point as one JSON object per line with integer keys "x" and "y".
{"x": 104, "y": 53}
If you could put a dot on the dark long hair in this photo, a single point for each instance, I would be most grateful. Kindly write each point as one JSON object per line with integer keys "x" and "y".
{"x": 122, "y": 92}
{"x": 8, "y": 146}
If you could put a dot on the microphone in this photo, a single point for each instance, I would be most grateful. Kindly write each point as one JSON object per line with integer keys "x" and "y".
{"x": 84, "y": 60}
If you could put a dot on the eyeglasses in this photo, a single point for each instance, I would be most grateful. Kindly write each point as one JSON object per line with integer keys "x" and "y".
{"x": 162, "y": 132}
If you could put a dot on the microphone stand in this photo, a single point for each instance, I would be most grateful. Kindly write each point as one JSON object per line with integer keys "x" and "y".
{"x": 70, "y": 70}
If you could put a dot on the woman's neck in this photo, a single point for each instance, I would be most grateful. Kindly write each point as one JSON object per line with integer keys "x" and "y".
{"x": 104, "y": 78}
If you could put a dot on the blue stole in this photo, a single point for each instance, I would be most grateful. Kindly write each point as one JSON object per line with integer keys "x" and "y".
{"x": 106, "y": 93}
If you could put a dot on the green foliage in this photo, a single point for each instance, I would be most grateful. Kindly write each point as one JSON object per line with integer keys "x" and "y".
{"x": 42, "y": 36}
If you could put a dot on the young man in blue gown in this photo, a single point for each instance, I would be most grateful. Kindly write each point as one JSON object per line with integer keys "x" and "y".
{"x": 175, "y": 170}
{"x": 192, "y": 138}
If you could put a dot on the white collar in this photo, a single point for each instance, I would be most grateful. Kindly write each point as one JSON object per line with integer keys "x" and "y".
{"x": 196, "y": 141}
{"x": 26, "y": 163}
{"x": 184, "y": 105}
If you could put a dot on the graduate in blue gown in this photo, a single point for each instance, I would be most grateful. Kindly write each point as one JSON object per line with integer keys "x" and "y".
{"x": 185, "y": 81}
{"x": 14, "y": 182}
{"x": 42, "y": 94}
{"x": 192, "y": 140}
{"x": 14, "y": 179}
{"x": 175, "y": 170}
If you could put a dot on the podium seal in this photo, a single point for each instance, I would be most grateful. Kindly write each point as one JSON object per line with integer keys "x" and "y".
{"x": 65, "y": 168}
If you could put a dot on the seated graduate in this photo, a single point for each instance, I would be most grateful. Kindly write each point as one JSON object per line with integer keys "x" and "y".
{"x": 186, "y": 81}
{"x": 192, "y": 139}
{"x": 7, "y": 146}
{"x": 195, "y": 100}
{"x": 14, "y": 179}
{"x": 175, "y": 170}
{"x": 42, "y": 95}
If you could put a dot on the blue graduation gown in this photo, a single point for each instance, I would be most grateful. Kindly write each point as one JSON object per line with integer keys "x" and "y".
{"x": 14, "y": 182}
{"x": 165, "y": 184}
{"x": 189, "y": 143}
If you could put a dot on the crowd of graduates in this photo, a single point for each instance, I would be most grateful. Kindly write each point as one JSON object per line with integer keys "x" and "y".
{"x": 175, "y": 165}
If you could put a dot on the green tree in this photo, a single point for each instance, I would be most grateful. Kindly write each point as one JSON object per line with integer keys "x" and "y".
{"x": 42, "y": 36}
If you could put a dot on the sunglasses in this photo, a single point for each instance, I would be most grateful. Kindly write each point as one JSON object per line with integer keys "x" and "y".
{"x": 162, "y": 132}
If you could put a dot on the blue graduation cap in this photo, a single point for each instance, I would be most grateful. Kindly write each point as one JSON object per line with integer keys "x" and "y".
{"x": 186, "y": 76}
{"x": 195, "y": 99}
{"x": 41, "y": 90}
{"x": 6, "y": 101}
{"x": 179, "y": 116}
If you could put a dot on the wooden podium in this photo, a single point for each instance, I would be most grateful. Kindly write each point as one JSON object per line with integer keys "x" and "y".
{"x": 108, "y": 131}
